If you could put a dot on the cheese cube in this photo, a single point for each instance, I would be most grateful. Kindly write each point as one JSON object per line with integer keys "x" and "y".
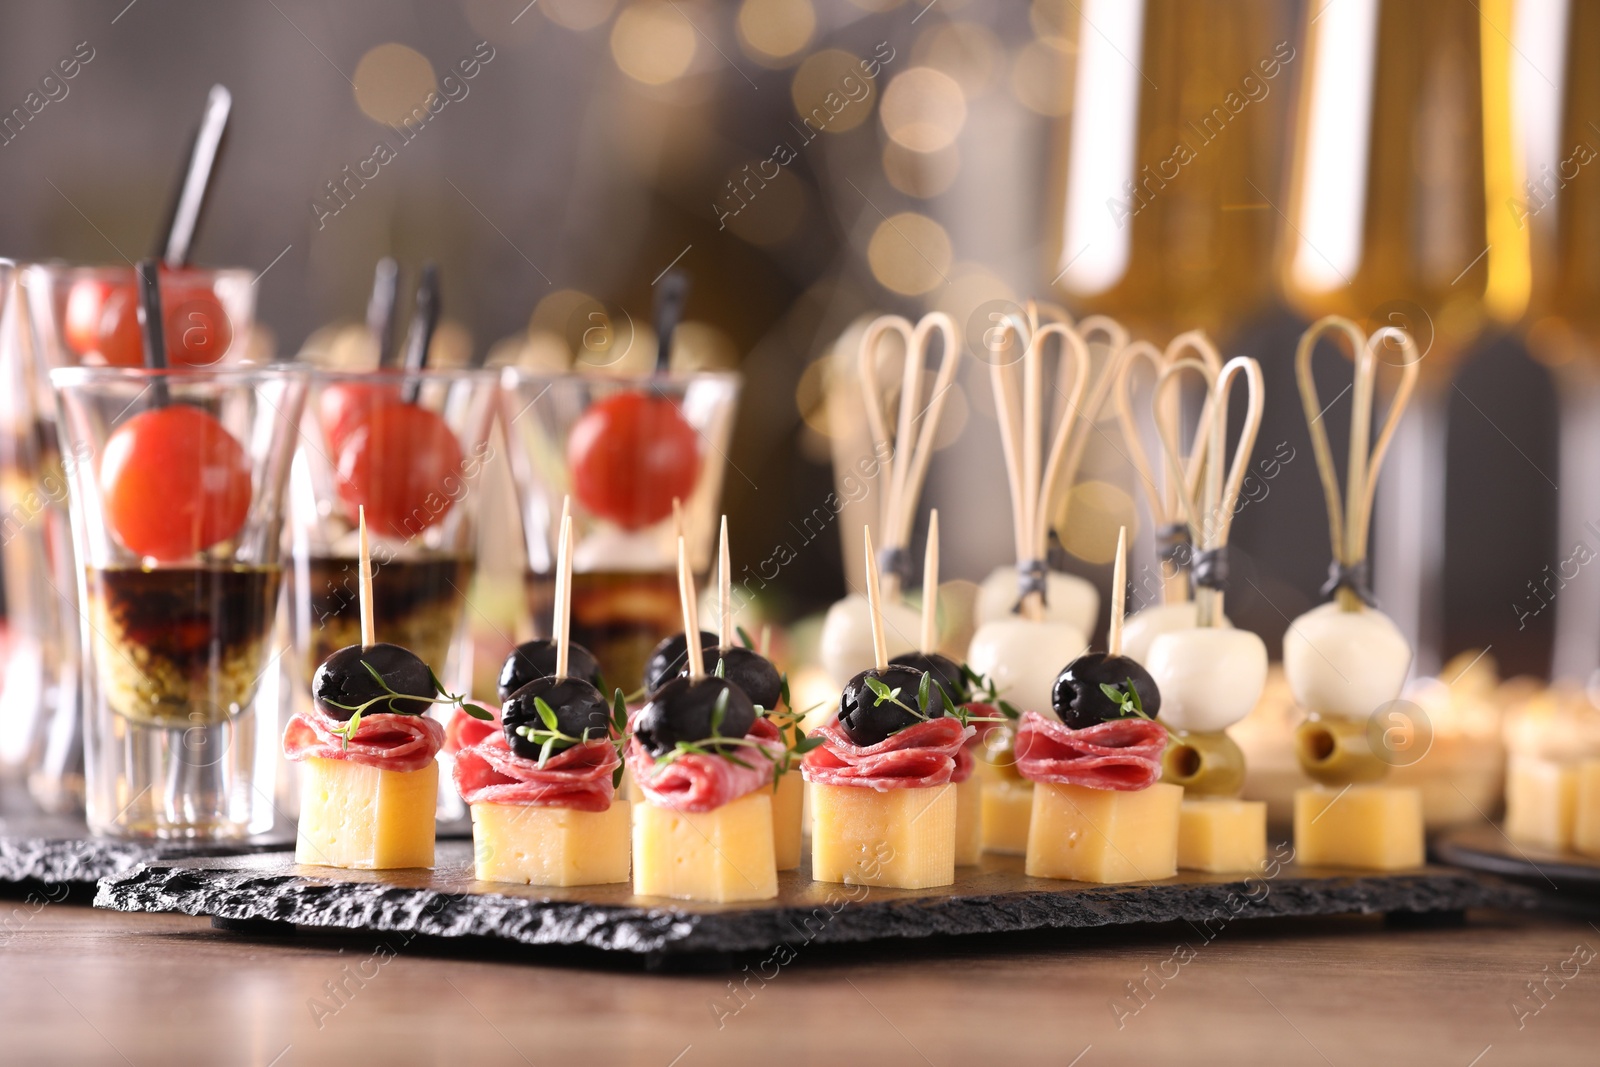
{"x": 969, "y": 820}
{"x": 1222, "y": 835}
{"x": 534, "y": 845}
{"x": 365, "y": 818}
{"x": 1104, "y": 835}
{"x": 1006, "y": 805}
{"x": 787, "y": 800}
{"x": 899, "y": 838}
{"x": 1586, "y": 820}
{"x": 1375, "y": 827}
{"x": 1541, "y": 802}
{"x": 718, "y": 856}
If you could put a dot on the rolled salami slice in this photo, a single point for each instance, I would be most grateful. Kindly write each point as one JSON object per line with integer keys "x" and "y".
{"x": 1120, "y": 754}
{"x": 386, "y": 741}
{"x": 696, "y": 783}
{"x": 578, "y": 777}
{"x": 463, "y": 731}
{"x": 921, "y": 755}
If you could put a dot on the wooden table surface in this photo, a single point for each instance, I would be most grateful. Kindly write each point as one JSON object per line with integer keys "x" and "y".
{"x": 86, "y": 987}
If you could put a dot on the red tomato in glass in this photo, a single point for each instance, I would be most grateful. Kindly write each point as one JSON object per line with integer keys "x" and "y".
{"x": 343, "y": 406}
{"x": 103, "y": 318}
{"x": 630, "y": 455}
{"x": 175, "y": 482}
{"x": 403, "y": 464}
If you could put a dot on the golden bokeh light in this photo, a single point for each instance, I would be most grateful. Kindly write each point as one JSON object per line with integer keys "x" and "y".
{"x": 776, "y": 29}
{"x": 923, "y": 109}
{"x": 967, "y": 51}
{"x": 653, "y": 42}
{"x": 393, "y": 82}
{"x": 909, "y": 253}
{"x": 972, "y": 287}
{"x": 831, "y": 92}
{"x": 505, "y": 23}
{"x": 811, "y": 396}
{"x": 1055, "y": 21}
{"x": 1041, "y": 78}
{"x": 577, "y": 14}
{"x": 921, "y": 174}
{"x": 1096, "y": 510}
{"x": 877, "y": 5}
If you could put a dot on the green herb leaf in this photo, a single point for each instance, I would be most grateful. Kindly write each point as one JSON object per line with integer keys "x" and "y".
{"x": 879, "y": 690}
{"x": 619, "y": 712}
{"x": 616, "y": 777}
{"x": 477, "y": 712}
{"x": 1008, "y": 709}
{"x": 545, "y": 750}
{"x": 1133, "y": 698}
{"x": 547, "y": 714}
{"x": 721, "y": 671}
{"x": 719, "y": 712}
{"x": 783, "y": 690}
{"x": 925, "y": 691}
{"x": 751, "y": 645}
{"x": 438, "y": 686}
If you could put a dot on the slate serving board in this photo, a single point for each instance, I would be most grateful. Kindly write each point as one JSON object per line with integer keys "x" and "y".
{"x": 267, "y": 891}
{"x": 1486, "y": 848}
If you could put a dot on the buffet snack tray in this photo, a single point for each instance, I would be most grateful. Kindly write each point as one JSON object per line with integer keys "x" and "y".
{"x": 269, "y": 892}
{"x": 1486, "y": 848}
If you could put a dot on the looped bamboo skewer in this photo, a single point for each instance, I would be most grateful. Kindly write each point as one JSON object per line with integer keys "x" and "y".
{"x": 1350, "y": 519}
{"x": 910, "y": 448}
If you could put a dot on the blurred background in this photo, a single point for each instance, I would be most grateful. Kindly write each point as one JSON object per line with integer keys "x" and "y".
{"x": 1241, "y": 166}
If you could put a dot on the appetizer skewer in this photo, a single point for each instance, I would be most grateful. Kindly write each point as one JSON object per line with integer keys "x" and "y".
{"x": 542, "y": 788}
{"x": 904, "y": 456}
{"x": 370, "y": 782}
{"x": 1100, "y": 812}
{"x": 1346, "y": 660}
{"x": 883, "y": 808}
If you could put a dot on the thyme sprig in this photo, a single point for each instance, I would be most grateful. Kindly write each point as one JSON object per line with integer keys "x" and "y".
{"x": 347, "y": 732}
{"x": 925, "y": 706}
{"x": 1128, "y": 703}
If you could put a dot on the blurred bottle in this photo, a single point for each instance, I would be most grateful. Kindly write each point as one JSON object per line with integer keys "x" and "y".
{"x": 1403, "y": 164}
{"x": 1165, "y": 194}
{"x": 1556, "y": 86}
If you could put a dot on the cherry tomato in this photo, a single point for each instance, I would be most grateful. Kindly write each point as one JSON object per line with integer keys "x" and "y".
{"x": 102, "y": 318}
{"x": 403, "y": 464}
{"x": 343, "y": 406}
{"x": 629, "y": 455}
{"x": 175, "y": 482}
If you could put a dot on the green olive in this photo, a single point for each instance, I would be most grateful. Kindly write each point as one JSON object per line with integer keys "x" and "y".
{"x": 1205, "y": 763}
{"x": 1336, "y": 751}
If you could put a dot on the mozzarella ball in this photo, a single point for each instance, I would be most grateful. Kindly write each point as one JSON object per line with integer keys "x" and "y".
{"x": 1209, "y": 678}
{"x": 1023, "y": 656}
{"x": 1068, "y": 599}
{"x": 1346, "y": 664}
{"x": 1140, "y": 629}
{"x": 846, "y": 646}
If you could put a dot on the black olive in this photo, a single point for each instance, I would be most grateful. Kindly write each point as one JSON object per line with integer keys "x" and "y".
{"x": 343, "y": 682}
{"x": 750, "y": 671}
{"x": 671, "y": 658}
{"x": 537, "y": 659}
{"x": 1079, "y": 701}
{"x": 867, "y": 719}
{"x": 578, "y": 706}
{"x": 946, "y": 671}
{"x": 683, "y": 710}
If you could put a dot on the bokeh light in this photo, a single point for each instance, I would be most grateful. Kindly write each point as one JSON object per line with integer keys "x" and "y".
{"x": 504, "y": 23}
{"x": 1041, "y": 78}
{"x": 653, "y": 42}
{"x": 392, "y": 83}
{"x": 967, "y": 51}
{"x": 1098, "y": 510}
{"x": 921, "y": 174}
{"x": 577, "y": 14}
{"x": 831, "y": 92}
{"x": 923, "y": 109}
{"x": 776, "y": 29}
{"x": 909, "y": 253}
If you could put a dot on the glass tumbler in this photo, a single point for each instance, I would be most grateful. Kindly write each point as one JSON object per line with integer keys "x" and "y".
{"x": 177, "y": 518}
{"x": 623, "y": 449}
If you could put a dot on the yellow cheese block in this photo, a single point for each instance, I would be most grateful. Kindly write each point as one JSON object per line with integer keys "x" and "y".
{"x": 787, "y": 800}
{"x": 1104, "y": 835}
{"x": 361, "y": 817}
{"x": 1541, "y": 802}
{"x": 1222, "y": 835}
{"x": 969, "y": 820}
{"x": 1006, "y": 805}
{"x": 899, "y": 838}
{"x": 718, "y": 856}
{"x": 1586, "y": 820}
{"x": 1374, "y": 827}
{"x": 534, "y": 845}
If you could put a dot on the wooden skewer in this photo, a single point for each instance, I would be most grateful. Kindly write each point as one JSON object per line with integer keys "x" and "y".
{"x": 562, "y": 624}
{"x": 691, "y": 613}
{"x": 766, "y": 641}
{"x": 1119, "y": 594}
{"x": 880, "y": 647}
{"x": 724, "y": 591}
{"x": 930, "y": 586}
{"x": 677, "y": 519}
{"x": 364, "y": 582}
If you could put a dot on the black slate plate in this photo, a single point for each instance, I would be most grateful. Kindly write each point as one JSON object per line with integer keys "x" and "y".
{"x": 1486, "y": 848}
{"x": 264, "y": 891}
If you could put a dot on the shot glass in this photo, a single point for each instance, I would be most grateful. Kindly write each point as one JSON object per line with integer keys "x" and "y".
{"x": 622, "y": 449}
{"x": 177, "y": 521}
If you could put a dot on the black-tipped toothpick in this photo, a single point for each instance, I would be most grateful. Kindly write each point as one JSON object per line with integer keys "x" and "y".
{"x": 153, "y": 329}
{"x": 381, "y": 307}
{"x": 424, "y": 320}
{"x": 672, "y": 293}
{"x": 183, "y": 217}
